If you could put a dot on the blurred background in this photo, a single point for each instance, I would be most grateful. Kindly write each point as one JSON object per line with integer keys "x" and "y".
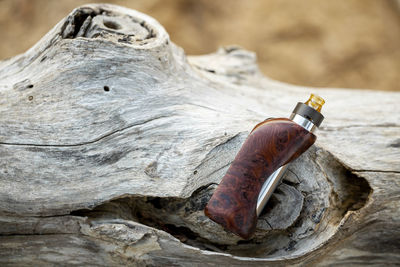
{"x": 342, "y": 43}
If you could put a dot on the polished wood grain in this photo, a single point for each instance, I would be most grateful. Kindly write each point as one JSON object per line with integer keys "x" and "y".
{"x": 271, "y": 144}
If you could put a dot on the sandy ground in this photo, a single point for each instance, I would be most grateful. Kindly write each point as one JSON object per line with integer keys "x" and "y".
{"x": 342, "y": 43}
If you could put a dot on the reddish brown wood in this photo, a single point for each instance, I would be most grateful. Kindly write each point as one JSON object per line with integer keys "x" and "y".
{"x": 271, "y": 144}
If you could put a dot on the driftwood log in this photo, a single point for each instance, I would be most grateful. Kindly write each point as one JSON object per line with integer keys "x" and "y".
{"x": 112, "y": 141}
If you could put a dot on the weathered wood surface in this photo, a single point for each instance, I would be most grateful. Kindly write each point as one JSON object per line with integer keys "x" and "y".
{"x": 112, "y": 141}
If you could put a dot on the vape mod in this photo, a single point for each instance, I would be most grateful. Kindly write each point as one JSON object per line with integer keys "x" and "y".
{"x": 259, "y": 165}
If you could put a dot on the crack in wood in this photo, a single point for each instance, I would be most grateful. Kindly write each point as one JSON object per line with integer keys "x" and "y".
{"x": 336, "y": 128}
{"x": 92, "y": 141}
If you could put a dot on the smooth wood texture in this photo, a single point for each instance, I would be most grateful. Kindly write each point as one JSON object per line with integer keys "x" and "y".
{"x": 112, "y": 141}
{"x": 270, "y": 145}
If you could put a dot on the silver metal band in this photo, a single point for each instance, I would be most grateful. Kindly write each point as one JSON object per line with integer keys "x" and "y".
{"x": 303, "y": 122}
{"x": 269, "y": 187}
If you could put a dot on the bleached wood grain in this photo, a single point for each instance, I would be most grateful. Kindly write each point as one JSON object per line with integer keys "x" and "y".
{"x": 112, "y": 141}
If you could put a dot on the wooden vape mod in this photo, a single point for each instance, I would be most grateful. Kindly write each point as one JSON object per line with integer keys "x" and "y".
{"x": 259, "y": 165}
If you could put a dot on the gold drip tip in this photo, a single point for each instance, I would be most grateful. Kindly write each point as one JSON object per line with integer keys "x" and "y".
{"x": 316, "y": 102}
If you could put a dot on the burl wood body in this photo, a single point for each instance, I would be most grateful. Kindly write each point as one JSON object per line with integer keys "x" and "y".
{"x": 272, "y": 144}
